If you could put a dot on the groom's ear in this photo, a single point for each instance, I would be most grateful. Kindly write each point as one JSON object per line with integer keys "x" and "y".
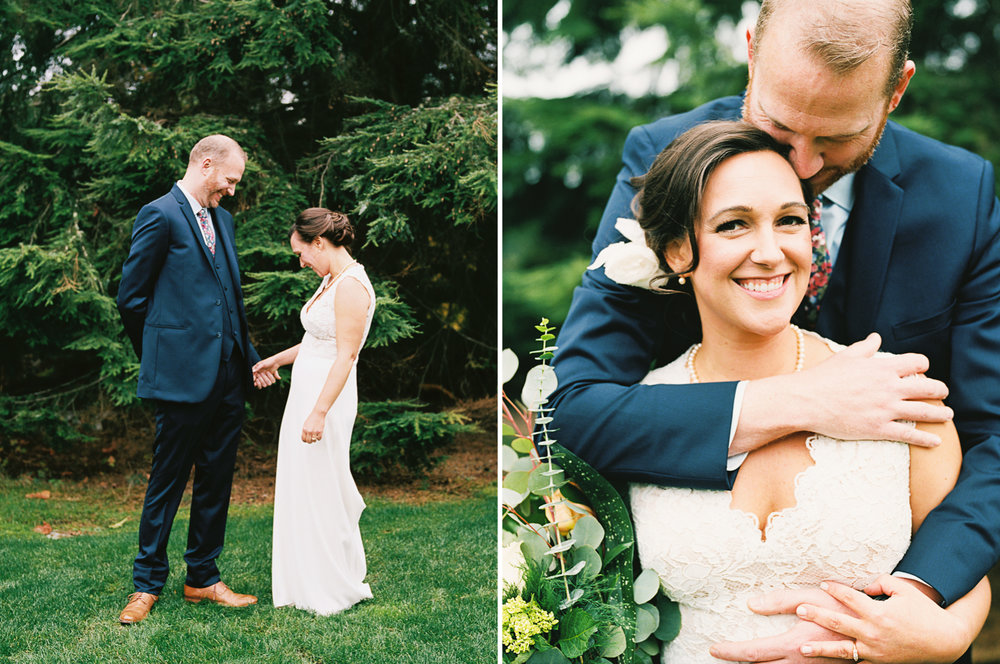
{"x": 678, "y": 255}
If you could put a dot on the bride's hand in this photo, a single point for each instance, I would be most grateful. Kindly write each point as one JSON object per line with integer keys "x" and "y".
{"x": 265, "y": 373}
{"x": 312, "y": 430}
{"x": 784, "y": 648}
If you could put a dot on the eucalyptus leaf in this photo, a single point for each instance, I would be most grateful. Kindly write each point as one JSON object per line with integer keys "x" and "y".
{"x": 507, "y": 429}
{"x": 646, "y": 585}
{"x": 508, "y": 364}
{"x": 542, "y": 484}
{"x": 540, "y": 382}
{"x": 512, "y": 498}
{"x": 517, "y": 481}
{"x": 508, "y": 457}
{"x": 522, "y": 463}
{"x": 650, "y": 647}
{"x": 670, "y": 620}
{"x": 573, "y": 598}
{"x": 534, "y": 548}
{"x": 522, "y": 445}
{"x": 647, "y": 619}
{"x": 641, "y": 657}
{"x": 565, "y": 545}
{"x": 575, "y": 629}
{"x": 572, "y": 571}
{"x": 586, "y": 554}
{"x": 589, "y": 532}
{"x": 613, "y": 643}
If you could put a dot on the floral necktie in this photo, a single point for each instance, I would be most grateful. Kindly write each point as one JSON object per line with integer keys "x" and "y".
{"x": 821, "y": 268}
{"x": 207, "y": 231}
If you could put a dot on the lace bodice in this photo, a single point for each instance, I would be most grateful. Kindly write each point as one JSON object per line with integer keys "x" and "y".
{"x": 851, "y": 522}
{"x": 319, "y": 318}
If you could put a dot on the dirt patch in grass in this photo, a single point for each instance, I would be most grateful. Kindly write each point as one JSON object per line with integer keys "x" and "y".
{"x": 466, "y": 469}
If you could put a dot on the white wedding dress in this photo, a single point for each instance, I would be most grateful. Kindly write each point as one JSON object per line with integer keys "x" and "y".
{"x": 851, "y": 523}
{"x": 318, "y": 558}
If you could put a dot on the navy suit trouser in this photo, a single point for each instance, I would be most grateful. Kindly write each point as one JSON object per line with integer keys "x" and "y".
{"x": 204, "y": 435}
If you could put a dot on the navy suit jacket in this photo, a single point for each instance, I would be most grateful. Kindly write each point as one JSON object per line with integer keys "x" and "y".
{"x": 171, "y": 300}
{"x": 919, "y": 264}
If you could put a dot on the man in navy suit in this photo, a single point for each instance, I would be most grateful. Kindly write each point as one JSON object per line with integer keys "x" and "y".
{"x": 182, "y": 307}
{"x": 914, "y": 230}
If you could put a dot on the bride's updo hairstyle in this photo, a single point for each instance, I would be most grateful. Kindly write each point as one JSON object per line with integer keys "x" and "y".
{"x": 669, "y": 200}
{"x": 320, "y": 222}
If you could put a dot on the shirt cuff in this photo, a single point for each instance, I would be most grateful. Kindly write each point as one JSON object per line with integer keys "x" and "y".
{"x": 907, "y": 575}
{"x": 736, "y": 460}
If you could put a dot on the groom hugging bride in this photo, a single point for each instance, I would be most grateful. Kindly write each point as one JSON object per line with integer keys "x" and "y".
{"x": 772, "y": 492}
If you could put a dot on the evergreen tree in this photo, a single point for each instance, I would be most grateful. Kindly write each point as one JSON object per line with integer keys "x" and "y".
{"x": 101, "y": 102}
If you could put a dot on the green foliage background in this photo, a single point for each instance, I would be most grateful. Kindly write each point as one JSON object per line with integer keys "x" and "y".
{"x": 561, "y": 155}
{"x": 384, "y": 109}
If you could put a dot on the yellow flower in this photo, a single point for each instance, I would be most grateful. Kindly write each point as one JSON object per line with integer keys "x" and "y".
{"x": 522, "y": 622}
{"x": 566, "y": 513}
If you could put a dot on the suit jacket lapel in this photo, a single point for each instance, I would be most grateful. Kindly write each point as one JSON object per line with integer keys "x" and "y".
{"x": 193, "y": 223}
{"x": 227, "y": 242}
{"x": 858, "y": 278}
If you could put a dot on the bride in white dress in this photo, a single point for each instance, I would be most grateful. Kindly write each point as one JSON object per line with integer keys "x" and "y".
{"x": 805, "y": 508}
{"x": 318, "y": 558}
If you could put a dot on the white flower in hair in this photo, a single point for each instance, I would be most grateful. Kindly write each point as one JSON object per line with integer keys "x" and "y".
{"x": 630, "y": 263}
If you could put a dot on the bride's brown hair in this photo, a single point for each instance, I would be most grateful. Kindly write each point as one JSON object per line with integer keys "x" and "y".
{"x": 669, "y": 199}
{"x": 319, "y": 222}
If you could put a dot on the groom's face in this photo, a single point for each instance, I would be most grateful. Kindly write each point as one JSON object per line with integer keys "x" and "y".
{"x": 220, "y": 179}
{"x": 831, "y": 121}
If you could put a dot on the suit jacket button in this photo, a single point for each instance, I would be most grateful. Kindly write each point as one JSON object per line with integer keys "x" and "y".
{"x": 218, "y": 335}
{"x": 218, "y": 303}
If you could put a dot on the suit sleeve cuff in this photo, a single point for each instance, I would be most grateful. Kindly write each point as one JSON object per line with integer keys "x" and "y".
{"x": 736, "y": 460}
{"x": 911, "y": 577}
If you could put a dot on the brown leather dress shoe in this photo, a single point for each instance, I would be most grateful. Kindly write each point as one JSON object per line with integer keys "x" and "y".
{"x": 137, "y": 608}
{"x": 218, "y": 593}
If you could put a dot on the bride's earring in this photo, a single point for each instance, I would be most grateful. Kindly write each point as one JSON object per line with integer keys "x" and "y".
{"x": 681, "y": 280}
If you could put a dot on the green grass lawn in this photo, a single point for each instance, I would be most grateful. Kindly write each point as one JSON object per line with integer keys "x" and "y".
{"x": 431, "y": 567}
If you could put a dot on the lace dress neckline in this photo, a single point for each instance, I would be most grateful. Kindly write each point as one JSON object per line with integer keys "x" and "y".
{"x": 327, "y": 283}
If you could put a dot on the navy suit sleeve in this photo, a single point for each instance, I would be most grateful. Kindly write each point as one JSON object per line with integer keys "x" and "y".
{"x": 665, "y": 434}
{"x": 959, "y": 541}
{"x": 150, "y": 240}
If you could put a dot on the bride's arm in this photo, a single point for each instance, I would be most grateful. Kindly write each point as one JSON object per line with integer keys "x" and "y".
{"x": 351, "y": 308}
{"x": 265, "y": 372}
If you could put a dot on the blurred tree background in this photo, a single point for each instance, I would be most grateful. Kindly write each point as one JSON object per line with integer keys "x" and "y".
{"x": 384, "y": 109}
{"x": 562, "y": 150}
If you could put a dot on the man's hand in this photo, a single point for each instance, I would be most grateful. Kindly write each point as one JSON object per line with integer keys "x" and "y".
{"x": 906, "y": 628}
{"x": 851, "y": 395}
{"x": 265, "y": 373}
{"x": 785, "y": 648}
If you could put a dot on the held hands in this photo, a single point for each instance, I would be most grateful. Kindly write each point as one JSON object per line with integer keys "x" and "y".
{"x": 312, "y": 430}
{"x": 907, "y": 628}
{"x": 265, "y": 373}
{"x": 877, "y": 392}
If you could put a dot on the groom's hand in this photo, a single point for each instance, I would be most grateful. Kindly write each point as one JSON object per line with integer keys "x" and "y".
{"x": 784, "y": 648}
{"x": 851, "y": 395}
{"x": 868, "y": 397}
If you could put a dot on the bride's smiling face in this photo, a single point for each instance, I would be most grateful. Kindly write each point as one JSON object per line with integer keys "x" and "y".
{"x": 754, "y": 244}
{"x": 310, "y": 254}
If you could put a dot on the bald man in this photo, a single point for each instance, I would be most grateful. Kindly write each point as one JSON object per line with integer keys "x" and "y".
{"x": 182, "y": 306}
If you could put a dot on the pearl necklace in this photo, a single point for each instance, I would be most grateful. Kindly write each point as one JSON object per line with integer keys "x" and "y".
{"x": 353, "y": 261}
{"x": 800, "y": 355}
{"x": 328, "y": 284}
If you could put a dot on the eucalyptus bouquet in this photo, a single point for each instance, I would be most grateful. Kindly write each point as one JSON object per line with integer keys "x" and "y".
{"x": 569, "y": 590}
